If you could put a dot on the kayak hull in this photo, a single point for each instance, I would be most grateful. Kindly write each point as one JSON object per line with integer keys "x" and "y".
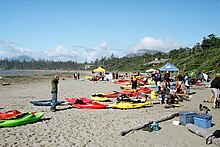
{"x": 100, "y": 99}
{"x": 22, "y": 119}
{"x": 93, "y": 105}
{"x": 129, "y": 105}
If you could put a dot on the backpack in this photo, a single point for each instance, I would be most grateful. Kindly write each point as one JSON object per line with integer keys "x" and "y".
{"x": 216, "y": 134}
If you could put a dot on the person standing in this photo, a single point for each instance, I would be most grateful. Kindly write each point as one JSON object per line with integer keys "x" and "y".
{"x": 158, "y": 78}
{"x": 134, "y": 83}
{"x": 167, "y": 79}
{"x": 78, "y": 75}
{"x": 215, "y": 86}
{"x": 54, "y": 91}
{"x": 180, "y": 79}
{"x": 187, "y": 83}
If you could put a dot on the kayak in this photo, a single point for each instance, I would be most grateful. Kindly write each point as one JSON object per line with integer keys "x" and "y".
{"x": 121, "y": 81}
{"x": 113, "y": 94}
{"x": 128, "y": 105}
{"x": 132, "y": 93}
{"x": 9, "y": 114}
{"x": 151, "y": 82}
{"x": 100, "y": 99}
{"x": 45, "y": 103}
{"x": 125, "y": 87}
{"x": 148, "y": 86}
{"x": 91, "y": 105}
{"x": 83, "y": 99}
{"x": 144, "y": 90}
{"x": 21, "y": 119}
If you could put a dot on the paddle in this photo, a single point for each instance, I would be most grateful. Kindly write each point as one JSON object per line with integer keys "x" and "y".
{"x": 123, "y": 133}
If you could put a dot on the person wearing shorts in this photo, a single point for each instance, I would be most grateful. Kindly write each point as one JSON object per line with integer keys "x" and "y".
{"x": 215, "y": 86}
{"x": 162, "y": 95}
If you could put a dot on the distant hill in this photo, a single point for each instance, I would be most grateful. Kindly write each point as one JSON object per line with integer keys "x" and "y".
{"x": 141, "y": 52}
{"x": 23, "y": 58}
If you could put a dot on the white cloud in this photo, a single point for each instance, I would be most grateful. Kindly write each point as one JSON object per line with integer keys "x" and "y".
{"x": 155, "y": 44}
{"x": 9, "y": 49}
{"x": 97, "y": 52}
{"x": 79, "y": 53}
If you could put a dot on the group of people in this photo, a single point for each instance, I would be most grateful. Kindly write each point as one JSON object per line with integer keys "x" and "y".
{"x": 76, "y": 75}
{"x": 180, "y": 81}
{"x": 163, "y": 90}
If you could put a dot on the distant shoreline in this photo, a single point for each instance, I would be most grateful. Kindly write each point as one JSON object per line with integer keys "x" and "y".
{"x": 18, "y": 72}
{"x": 16, "y": 77}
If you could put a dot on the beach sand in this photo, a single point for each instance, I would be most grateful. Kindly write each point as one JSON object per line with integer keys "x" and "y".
{"x": 85, "y": 127}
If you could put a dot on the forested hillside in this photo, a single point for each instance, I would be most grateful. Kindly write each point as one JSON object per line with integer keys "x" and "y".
{"x": 204, "y": 56}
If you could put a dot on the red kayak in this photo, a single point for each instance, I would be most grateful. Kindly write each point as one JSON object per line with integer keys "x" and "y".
{"x": 112, "y": 95}
{"x": 83, "y": 99}
{"x": 121, "y": 81}
{"x": 90, "y": 105}
{"x": 9, "y": 114}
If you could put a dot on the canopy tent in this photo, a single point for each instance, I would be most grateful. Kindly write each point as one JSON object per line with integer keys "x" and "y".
{"x": 99, "y": 69}
{"x": 168, "y": 67}
{"x": 151, "y": 70}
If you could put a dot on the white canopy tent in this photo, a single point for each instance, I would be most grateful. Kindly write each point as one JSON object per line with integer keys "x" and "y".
{"x": 151, "y": 70}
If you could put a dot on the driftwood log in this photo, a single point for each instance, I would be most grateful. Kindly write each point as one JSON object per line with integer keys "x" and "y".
{"x": 123, "y": 133}
{"x": 203, "y": 133}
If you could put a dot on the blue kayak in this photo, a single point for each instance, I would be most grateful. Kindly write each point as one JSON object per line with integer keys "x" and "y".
{"x": 45, "y": 103}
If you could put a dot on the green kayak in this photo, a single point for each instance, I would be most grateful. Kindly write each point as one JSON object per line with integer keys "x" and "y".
{"x": 22, "y": 119}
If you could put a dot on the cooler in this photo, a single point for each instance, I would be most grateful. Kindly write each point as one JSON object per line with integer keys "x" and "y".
{"x": 203, "y": 120}
{"x": 186, "y": 117}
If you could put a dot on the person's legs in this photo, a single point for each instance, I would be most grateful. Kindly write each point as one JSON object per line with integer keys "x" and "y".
{"x": 215, "y": 90}
{"x": 161, "y": 99}
{"x": 54, "y": 101}
{"x": 187, "y": 90}
{"x": 165, "y": 99}
{"x": 212, "y": 96}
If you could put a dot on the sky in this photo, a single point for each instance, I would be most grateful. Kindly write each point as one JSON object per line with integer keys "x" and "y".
{"x": 86, "y": 30}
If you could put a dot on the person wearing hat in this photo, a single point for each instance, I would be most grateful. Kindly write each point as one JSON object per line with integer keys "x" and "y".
{"x": 215, "y": 86}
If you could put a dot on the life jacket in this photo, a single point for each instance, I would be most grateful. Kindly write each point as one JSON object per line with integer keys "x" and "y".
{"x": 134, "y": 79}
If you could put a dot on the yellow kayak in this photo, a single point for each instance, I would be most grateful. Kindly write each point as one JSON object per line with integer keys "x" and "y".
{"x": 128, "y": 105}
{"x": 88, "y": 77}
{"x": 151, "y": 82}
{"x": 126, "y": 87}
{"x": 176, "y": 105}
{"x": 100, "y": 99}
{"x": 126, "y": 83}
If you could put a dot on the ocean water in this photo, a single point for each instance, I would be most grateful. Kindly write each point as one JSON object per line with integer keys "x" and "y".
{"x": 21, "y": 72}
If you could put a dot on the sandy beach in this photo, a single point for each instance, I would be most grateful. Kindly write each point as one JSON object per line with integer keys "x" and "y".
{"x": 85, "y": 127}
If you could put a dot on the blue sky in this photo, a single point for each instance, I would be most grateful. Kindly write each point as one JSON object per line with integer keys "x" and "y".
{"x": 83, "y": 30}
